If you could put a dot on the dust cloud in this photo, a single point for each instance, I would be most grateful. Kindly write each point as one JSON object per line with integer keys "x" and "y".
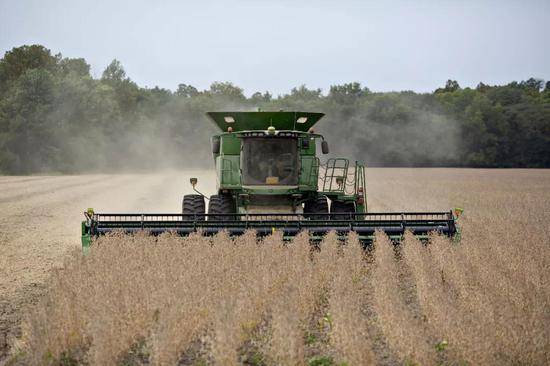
{"x": 418, "y": 138}
{"x": 392, "y": 135}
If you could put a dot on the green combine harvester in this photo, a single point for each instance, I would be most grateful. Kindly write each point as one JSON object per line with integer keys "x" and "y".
{"x": 270, "y": 179}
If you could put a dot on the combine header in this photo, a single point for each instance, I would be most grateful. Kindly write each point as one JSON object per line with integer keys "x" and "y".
{"x": 269, "y": 178}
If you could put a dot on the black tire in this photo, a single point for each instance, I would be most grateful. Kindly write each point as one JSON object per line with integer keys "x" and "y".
{"x": 221, "y": 204}
{"x": 193, "y": 204}
{"x": 315, "y": 208}
{"x": 342, "y": 207}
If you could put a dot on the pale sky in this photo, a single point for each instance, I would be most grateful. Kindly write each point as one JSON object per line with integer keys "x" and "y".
{"x": 276, "y": 45}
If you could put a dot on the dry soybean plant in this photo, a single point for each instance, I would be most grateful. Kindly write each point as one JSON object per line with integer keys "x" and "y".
{"x": 166, "y": 300}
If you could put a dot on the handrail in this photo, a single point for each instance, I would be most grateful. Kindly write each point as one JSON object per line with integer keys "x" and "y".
{"x": 330, "y": 174}
{"x": 338, "y": 168}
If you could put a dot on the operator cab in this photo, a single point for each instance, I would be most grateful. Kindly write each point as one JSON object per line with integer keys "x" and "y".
{"x": 270, "y": 161}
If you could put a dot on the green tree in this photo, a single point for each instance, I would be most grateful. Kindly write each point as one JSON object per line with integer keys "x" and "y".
{"x": 54, "y": 116}
{"x": 28, "y": 135}
{"x": 127, "y": 92}
{"x": 20, "y": 59}
{"x": 114, "y": 73}
{"x": 77, "y": 66}
{"x": 259, "y": 98}
{"x": 450, "y": 86}
{"x": 226, "y": 90}
{"x": 302, "y": 93}
{"x": 187, "y": 91}
{"x": 347, "y": 93}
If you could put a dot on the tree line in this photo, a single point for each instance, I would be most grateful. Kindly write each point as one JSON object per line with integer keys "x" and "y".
{"x": 56, "y": 118}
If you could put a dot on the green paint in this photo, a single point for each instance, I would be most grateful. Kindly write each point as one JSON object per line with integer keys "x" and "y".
{"x": 86, "y": 237}
{"x": 261, "y": 121}
{"x": 269, "y": 125}
{"x": 230, "y": 144}
{"x": 228, "y": 171}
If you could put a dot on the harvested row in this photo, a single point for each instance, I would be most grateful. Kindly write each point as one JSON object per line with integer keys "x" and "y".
{"x": 37, "y": 230}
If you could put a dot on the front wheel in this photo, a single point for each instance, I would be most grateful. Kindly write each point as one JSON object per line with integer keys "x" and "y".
{"x": 341, "y": 208}
{"x": 316, "y": 209}
{"x": 193, "y": 204}
{"x": 222, "y": 205}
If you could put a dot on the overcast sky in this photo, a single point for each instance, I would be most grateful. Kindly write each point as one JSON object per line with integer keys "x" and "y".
{"x": 276, "y": 45}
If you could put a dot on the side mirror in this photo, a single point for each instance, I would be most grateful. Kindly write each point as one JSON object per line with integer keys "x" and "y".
{"x": 216, "y": 145}
{"x": 324, "y": 147}
{"x": 193, "y": 182}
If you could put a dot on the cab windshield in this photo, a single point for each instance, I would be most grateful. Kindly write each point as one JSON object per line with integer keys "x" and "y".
{"x": 270, "y": 161}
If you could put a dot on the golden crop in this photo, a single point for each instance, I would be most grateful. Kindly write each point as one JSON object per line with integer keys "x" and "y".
{"x": 224, "y": 301}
